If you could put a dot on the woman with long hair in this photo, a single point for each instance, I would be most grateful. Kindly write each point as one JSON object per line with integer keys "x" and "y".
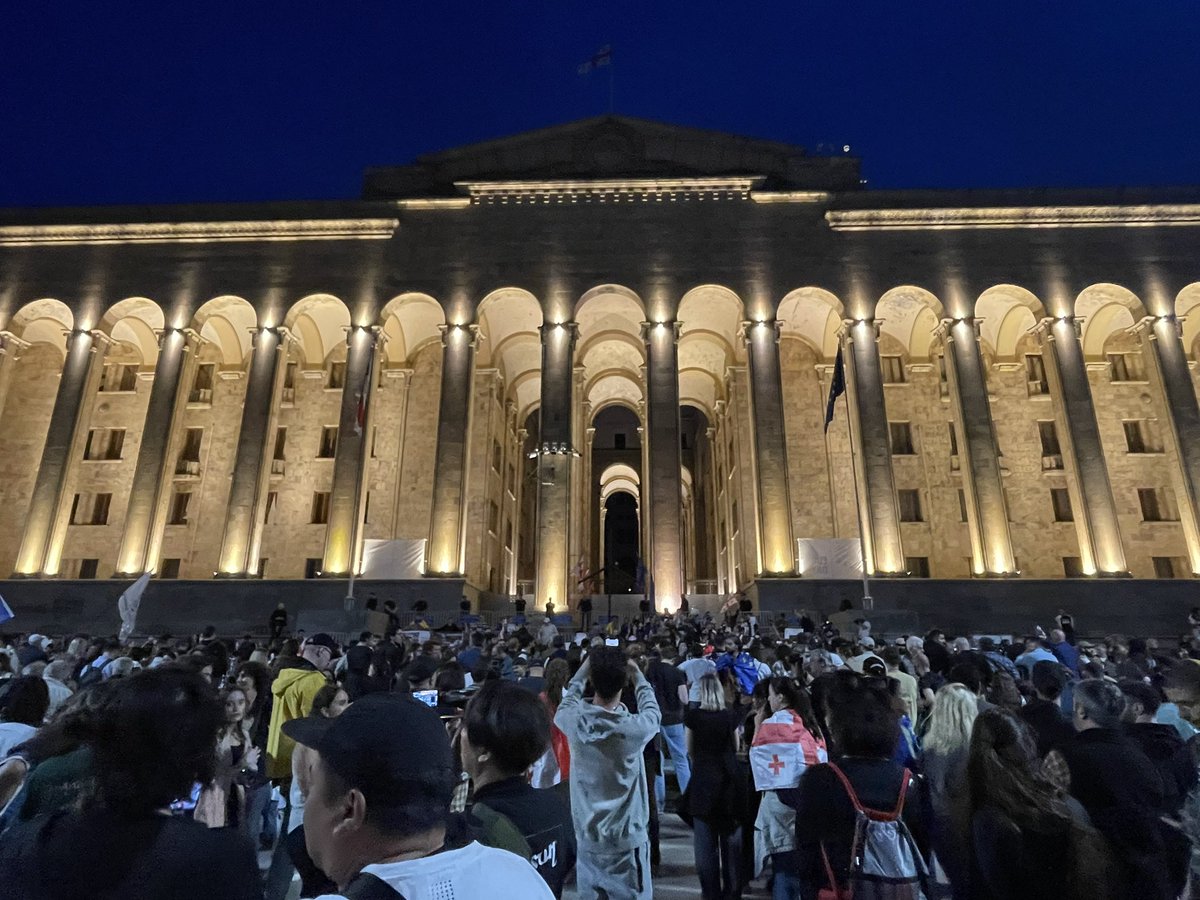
{"x": 1029, "y": 841}
{"x": 715, "y": 798}
{"x": 254, "y": 680}
{"x": 222, "y": 801}
{"x": 944, "y": 759}
{"x": 787, "y": 721}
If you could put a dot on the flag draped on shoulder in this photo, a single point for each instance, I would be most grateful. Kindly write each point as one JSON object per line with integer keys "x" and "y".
{"x": 602, "y": 57}
{"x": 837, "y": 387}
{"x": 782, "y": 749}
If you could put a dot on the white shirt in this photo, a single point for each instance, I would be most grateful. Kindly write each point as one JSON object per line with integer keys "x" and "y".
{"x": 474, "y": 871}
{"x": 695, "y": 669}
{"x": 12, "y": 734}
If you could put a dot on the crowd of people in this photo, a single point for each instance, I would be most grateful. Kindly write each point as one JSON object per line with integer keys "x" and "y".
{"x": 529, "y": 760}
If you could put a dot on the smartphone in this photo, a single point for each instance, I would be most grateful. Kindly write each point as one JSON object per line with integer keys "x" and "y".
{"x": 611, "y": 642}
{"x": 429, "y": 698}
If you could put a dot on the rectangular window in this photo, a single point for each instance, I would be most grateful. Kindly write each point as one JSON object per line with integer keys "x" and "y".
{"x": 953, "y": 438}
{"x": 189, "y": 454}
{"x": 493, "y": 517}
{"x": 943, "y": 381}
{"x": 1164, "y": 567}
{"x": 1072, "y": 566}
{"x": 917, "y": 566}
{"x": 337, "y": 376}
{"x": 1035, "y": 375}
{"x": 1060, "y": 501}
{"x": 619, "y": 440}
{"x": 280, "y": 443}
{"x": 104, "y": 443}
{"x": 289, "y": 383}
{"x": 202, "y": 384}
{"x": 1127, "y": 367}
{"x": 1143, "y": 436}
{"x": 312, "y": 567}
{"x": 272, "y": 505}
{"x": 901, "y": 437}
{"x": 511, "y": 480}
{"x": 328, "y": 445}
{"x": 90, "y": 509}
{"x": 169, "y": 568}
{"x": 320, "y": 508}
{"x": 892, "y": 369}
{"x": 910, "y": 505}
{"x": 1158, "y": 505}
{"x": 497, "y": 456}
{"x": 367, "y": 508}
{"x": 962, "y": 505}
{"x": 374, "y": 438}
{"x": 508, "y": 534}
{"x": 262, "y": 567}
{"x": 733, "y": 517}
{"x": 89, "y": 568}
{"x": 1051, "y": 450}
{"x": 117, "y": 377}
{"x": 179, "y": 508}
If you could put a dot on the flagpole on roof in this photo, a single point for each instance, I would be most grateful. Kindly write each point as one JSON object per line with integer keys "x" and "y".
{"x": 839, "y": 385}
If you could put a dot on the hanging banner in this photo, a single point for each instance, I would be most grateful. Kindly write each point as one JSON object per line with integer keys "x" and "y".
{"x": 830, "y": 557}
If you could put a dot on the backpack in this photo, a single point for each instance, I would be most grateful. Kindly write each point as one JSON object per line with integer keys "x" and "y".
{"x": 885, "y": 863}
{"x": 365, "y": 886}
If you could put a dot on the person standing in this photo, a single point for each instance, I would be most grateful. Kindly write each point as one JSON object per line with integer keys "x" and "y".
{"x": 609, "y": 796}
{"x": 671, "y": 692}
{"x": 293, "y": 692}
{"x": 277, "y": 623}
{"x": 944, "y": 760}
{"x": 716, "y": 797}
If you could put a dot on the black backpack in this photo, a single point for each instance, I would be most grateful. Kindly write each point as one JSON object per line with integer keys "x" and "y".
{"x": 365, "y": 886}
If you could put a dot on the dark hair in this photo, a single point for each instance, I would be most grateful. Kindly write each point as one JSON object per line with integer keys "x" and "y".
{"x": 796, "y": 699}
{"x": 156, "y": 738}
{"x": 425, "y": 804}
{"x": 509, "y": 722}
{"x": 1102, "y": 701}
{"x": 608, "y": 673}
{"x": 451, "y": 676}
{"x": 1140, "y": 692}
{"x": 261, "y": 676}
{"x": 1048, "y": 678}
{"x": 890, "y": 655}
{"x": 323, "y": 699}
{"x": 967, "y": 675}
{"x": 556, "y": 676}
{"x": 862, "y": 719}
{"x": 25, "y": 700}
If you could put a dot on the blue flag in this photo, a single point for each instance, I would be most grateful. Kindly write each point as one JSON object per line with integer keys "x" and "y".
{"x": 837, "y": 387}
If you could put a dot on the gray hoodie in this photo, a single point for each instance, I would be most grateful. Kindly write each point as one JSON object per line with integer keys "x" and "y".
{"x": 609, "y": 800}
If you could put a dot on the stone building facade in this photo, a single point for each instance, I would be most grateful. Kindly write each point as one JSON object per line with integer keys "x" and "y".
{"x": 501, "y": 344}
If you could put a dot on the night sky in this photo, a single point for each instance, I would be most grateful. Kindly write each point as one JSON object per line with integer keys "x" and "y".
{"x": 108, "y": 102}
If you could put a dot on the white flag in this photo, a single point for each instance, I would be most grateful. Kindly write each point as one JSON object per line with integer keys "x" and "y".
{"x": 128, "y": 603}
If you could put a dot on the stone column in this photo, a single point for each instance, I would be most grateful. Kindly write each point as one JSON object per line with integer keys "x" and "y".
{"x": 401, "y": 379}
{"x": 11, "y": 348}
{"x": 519, "y": 436}
{"x": 150, "y": 493}
{"x": 983, "y": 483}
{"x": 587, "y": 495}
{"x": 246, "y": 510}
{"x": 1160, "y": 337}
{"x": 448, "y": 522}
{"x": 777, "y": 550}
{"x": 664, "y": 491}
{"x": 1092, "y": 502}
{"x": 49, "y": 506}
{"x": 879, "y": 514}
{"x": 602, "y": 585}
{"x": 555, "y": 458}
{"x": 347, "y": 497}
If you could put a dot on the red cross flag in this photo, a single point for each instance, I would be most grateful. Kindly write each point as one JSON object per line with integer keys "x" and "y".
{"x": 783, "y": 748}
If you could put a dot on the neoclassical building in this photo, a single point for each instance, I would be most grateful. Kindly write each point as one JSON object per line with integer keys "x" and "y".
{"x": 551, "y": 356}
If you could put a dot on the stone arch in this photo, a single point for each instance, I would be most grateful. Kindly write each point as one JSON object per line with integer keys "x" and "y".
{"x": 1007, "y": 312}
{"x": 1106, "y": 310}
{"x": 615, "y": 388}
{"x": 134, "y": 324}
{"x": 1186, "y": 303}
{"x": 410, "y": 322}
{"x": 43, "y": 322}
{"x": 509, "y": 319}
{"x": 910, "y": 314}
{"x": 318, "y": 326}
{"x": 227, "y": 323}
{"x": 812, "y": 315}
{"x": 620, "y": 478}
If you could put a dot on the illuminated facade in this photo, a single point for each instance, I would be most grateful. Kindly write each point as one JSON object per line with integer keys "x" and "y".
{"x": 505, "y": 348}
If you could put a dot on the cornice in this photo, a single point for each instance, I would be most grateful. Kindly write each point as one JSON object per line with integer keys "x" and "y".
{"x": 623, "y": 190}
{"x": 198, "y": 232}
{"x": 1013, "y": 217}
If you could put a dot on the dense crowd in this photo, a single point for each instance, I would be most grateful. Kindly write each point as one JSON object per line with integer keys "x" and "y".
{"x": 528, "y": 760}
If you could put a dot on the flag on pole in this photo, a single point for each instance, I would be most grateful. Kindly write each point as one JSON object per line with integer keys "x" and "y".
{"x": 360, "y": 415}
{"x": 128, "y": 603}
{"x": 602, "y": 57}
{"x": 6, "y": 612}
{"x": 837, "y": 387}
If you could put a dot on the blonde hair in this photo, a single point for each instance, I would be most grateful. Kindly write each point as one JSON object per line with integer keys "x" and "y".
{"x": 712, "y": 695}
{"x": 952, "y": 718}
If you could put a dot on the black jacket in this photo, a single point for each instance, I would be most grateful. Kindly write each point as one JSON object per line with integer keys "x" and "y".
{"x": 1171, "y": 756}
{"x": 1050, "y": 724}
{"x": 543, "y": 818}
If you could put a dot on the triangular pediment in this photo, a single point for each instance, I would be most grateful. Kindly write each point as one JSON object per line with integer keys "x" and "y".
{"x": 612, "y": 147}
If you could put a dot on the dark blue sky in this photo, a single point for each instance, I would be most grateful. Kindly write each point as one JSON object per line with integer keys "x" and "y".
{"x": 107, "y": 102}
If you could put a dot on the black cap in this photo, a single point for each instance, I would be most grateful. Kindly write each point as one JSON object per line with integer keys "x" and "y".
{"x": 321, "y": 639}
{"x": 379, "y": 745}
{"x": 875, "y": 666}
{"x": 422, "y": 668}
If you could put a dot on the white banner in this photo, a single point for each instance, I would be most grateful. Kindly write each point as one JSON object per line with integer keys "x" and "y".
{"x": 394, "y": 560}
{"x": 830, "y": 557}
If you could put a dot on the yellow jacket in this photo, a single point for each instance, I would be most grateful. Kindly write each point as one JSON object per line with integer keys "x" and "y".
{"x": 293, "y": 691}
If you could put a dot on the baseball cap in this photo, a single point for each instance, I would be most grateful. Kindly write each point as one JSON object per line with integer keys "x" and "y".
{"x": 321, "y": 639}
{"x": 875, "y": 666}
{"x": 380, "y": 745}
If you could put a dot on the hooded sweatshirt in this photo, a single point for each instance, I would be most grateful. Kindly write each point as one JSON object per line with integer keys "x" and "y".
{"x": 609, "y": 801}
{"x": 293, "y": 691}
